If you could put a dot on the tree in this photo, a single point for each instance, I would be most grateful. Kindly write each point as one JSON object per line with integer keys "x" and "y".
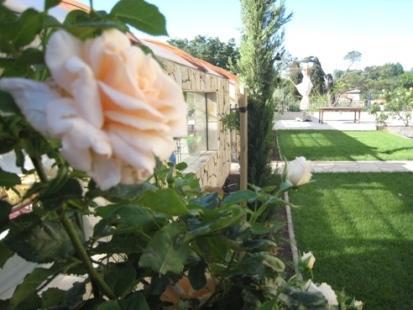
{"x": 212, "y": 50}
{"x": 260, "y": 51}
{"x": 352, "y": 57}
{"x": 373, "y": 79}
{"x": 400, "y": 102}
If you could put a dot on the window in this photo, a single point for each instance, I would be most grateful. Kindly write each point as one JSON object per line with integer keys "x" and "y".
{"x": 202, "y": 121}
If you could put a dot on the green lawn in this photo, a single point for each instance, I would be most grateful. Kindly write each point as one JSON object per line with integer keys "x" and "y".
{"x": 360, "y": 228}
{"x": 349, "y": 145}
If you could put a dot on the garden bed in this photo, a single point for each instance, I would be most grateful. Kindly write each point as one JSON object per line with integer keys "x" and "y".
{"x": 348, "y": 145}
{"x": 360, "y": 228}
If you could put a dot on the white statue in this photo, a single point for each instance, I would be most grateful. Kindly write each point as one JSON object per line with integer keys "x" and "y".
{"x": 304, "y": 88}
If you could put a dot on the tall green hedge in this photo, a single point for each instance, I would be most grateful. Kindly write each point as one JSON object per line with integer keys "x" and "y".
{"x": 261, "y": 51}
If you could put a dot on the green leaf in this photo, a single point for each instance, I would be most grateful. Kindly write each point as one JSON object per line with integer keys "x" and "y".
{"x": 132, "y": 302}
{"x": 27, "y": 28}
{"x": 51, "y": 3}
{"x": 215, "y": 220}
{"x": 215, "y": 248}
{"x": 285, "y": 186}
{"x": 60, "y": 191}
{"x": 30, "y": 283}
{"x": 5, "y": 209}
{"x": 259, "y": 264}
{"x": 123, "y": 192}
{"x": 208, "y": 201}
{"x": 165, "y": 200}
{"x": 29, "y": 63}
{"x": 39, "y": 240}
{"x": 141, "y": 15}
{"x": 5, "y": 254}
{"x": 8, "y": 179}
{"x": 256, "y": 245}
{"x": 31, "y": 56}
{"x": 128, "y": 243}
{"x": 84, "y": 25}
{"x": 53, "y": 298}
{"x": 181, "y": 166}
{"x": 166, "y": 252}
{"x": 74, "y": 296}
{"x": 196, "y": 275}
{"x": 189, "y": 182}
{"x": 269, "y": 305}
{"x": 125, "y": 217}
{"x": 274, "y": 263}
{"x": 239, "y": 196}
{"x": 7, "y": 18}
{"x": 120, "y": 277}
{"x": 7, "y": 104}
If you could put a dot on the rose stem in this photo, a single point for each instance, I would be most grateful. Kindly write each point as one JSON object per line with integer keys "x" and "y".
{"x": 39, "y": 168}
{"x": 94, "y": 275}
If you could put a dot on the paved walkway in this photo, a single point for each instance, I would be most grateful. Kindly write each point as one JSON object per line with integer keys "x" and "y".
{"x": 333, "y": 121}
{"x": 348, "y": 166}
{"x": 356, "y": 166}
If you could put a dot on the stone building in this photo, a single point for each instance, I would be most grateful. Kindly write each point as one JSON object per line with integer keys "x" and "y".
{"x": 210, "y": 92}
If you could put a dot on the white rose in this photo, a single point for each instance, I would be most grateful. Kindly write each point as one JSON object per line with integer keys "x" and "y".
{"x": 112, "y": 106}
{"x": 299, "y": 171}
{"x": 325, "y": 290}
{"x": 358, "y": 304}
{"x": 308, "y": 259}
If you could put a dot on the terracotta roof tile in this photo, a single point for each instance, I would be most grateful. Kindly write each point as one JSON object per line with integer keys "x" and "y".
{"x": 71, "y": 5}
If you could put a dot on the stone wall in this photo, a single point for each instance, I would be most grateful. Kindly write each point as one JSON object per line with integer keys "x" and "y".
{"x": 212, "y": 167}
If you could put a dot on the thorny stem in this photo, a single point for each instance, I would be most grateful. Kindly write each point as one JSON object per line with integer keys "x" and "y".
{"x": 39, "y": 168}
{"x": 94, "y": 275}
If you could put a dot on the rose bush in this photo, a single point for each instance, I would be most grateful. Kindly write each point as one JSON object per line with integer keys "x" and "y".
{"x": 113, "y": 107}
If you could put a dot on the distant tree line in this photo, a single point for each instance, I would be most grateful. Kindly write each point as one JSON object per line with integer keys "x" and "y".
{"x": 213, "y": 50}
{"x": 373, "y": 80}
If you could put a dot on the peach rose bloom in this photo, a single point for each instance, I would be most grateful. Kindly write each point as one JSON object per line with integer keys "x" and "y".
{"x": 113, "y": 107}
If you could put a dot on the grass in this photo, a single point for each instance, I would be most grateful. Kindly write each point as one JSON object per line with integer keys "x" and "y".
{"x": 349, "y": 145}
{"x": 360, "y": 228}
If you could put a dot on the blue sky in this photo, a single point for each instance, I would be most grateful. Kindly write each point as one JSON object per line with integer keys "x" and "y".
{"x": 382, "y": 30}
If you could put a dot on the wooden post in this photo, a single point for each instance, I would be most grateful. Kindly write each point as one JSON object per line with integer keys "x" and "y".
{"x": 243, "y": 104}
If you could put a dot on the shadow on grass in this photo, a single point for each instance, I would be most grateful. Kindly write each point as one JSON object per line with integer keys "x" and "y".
{"x": 398, "y": 150}
{"x": 367, "y": 274}
{"x": 339, "y": 145}
{"x": 360, "y": 228}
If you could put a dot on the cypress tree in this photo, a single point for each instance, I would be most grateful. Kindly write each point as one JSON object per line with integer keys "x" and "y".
{"x": 261, "y": 50}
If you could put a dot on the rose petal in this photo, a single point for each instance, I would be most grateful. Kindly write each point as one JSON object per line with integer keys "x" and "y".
{"x": 61, "y": 47}
{"x": 79, "y": 158}
{"x": 111, "y": 42}
{"x": 59, "y": 116}
{"x": 105, "y": 172}
{"x": 127, "y": 102}
{"x": 137, "y": 122}
{"x": 63, "y": 58}
{"x": 32, "y": 98}
{"x": 131, "y": 155}
{"x": 147, "y": 141}
{"x": 84, "y": 89}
